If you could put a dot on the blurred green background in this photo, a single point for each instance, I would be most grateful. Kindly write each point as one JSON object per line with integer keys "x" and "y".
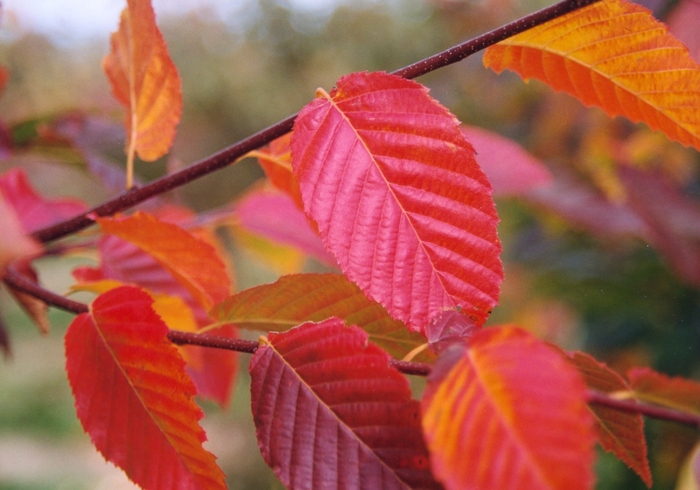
{"x": 613, "y": 297}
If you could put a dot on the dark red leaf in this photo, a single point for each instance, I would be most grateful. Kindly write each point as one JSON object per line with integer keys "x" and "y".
{"x": 331, "y": 413}
{"x": 399, "y": 198}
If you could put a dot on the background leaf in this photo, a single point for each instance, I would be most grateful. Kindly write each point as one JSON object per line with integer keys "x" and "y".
{"x": 276, "y": 161}
{"x": 145, "y": 81}
{"x": 132, "y": 394}
{"x": 330, "y": 412}
{"x": 616, "y": 56}
{"x": 398, "y": 198}
{"x": 299, "y": 298}
{"x": 511, "y": 170}
{"x": 508, "y": 412}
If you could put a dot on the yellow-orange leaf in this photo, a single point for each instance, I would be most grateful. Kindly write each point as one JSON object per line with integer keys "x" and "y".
{"x": 145, "y": 81}
{"x": 193, "y": 262}
{"x": 507, "y": 413}
{"x": 616, "y": 56}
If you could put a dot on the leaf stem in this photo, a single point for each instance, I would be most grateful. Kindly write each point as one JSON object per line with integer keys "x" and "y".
{"x": 225, "y": 157}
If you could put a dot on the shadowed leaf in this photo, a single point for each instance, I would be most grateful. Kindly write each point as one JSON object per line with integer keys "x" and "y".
{"x": 300, "y": 298}
{"x": 329, "y": 412}
{"x": 276, "y": 161}
{"x": 132, "y": 394}
{"x": 398, "y": 198}
{"x": 508, "y": 412}
{"x": 616, "y": 56}
{"x": 621, "y": 433}
{"x": 673, "y": 392}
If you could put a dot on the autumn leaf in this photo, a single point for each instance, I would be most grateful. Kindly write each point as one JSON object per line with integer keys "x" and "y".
{"x": 33, "y": 210}
{"x": 145, "y": 81}
{"x": 15, "y": 243}
{"x": 276, "y": 161}
{"x": 508, "y": 412}
{"x": 300, "y": 298}
{"x": 118, "y": 356}
{"x": 616, "y": 56}
{"x": 398, "y": 198}
{"x": 621, "y": 433}
{"x": 274, "y": 215}
{"x": 214, "y": 371}
{"x": 193, "y": 262}
{"x": 4, "y": 77}
{"x": 329, "y": 411}
{"x": 511, "y": 170}
{"x": 673, "y": 392}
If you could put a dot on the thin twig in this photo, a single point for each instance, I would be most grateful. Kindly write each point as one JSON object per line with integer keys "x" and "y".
{"x": 225, "y": 157}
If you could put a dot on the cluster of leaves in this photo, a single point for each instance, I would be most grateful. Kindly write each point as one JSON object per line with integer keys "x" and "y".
{"x": 380, "y": 182}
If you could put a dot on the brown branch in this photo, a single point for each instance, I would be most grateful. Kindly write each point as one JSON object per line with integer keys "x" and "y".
{"x": 225, "y": 157}
{"x": 16, "y": 280}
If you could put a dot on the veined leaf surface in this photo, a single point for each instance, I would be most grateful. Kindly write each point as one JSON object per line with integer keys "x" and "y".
{"x": 145, "y": 81}
{"x": 133, "y": 397}
{"x": 300, "y": 298}
{"x": 276, "y": 161}
{"x": 621, "y": 433}
{"x": 673, "y": 392}
{"x": 399, "y": 198}
{"x": 616, "y": 56}
{"x": 508, "y": 412}
{"x": 193, "y": 262}
{"x": 331, "y": 413}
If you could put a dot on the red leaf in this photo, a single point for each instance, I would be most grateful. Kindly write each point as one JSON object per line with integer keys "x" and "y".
{"x": 126, "y": 263}
{"x": 4, "y": 77}
{"x": 275, "y": 216}
{"x": 145, "y": 81}
{"x": 508, "y": 412}
{"x": 449, "y": 327}
{"x": 398, "y": 198}
{"x": 677, "y": 393}
{"x": 330, "y": 412}
{"x": 15, "y": 243}
{"x": 300, "y": 298}
{"x": 33, "y": 210}
{"x": 621, "y": 433}
{"x": 683, "y": 24}
{"x": 133, "y": 396}
{"x": 511, "y": 170}
{"x": 191, "y": 261}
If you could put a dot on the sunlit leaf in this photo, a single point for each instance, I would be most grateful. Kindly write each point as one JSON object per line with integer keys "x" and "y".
{"x": 508, "y": 412}
{"x": 33, "y": 210}
{"x": 621, "y": 433}
{"x": 398, "y": 198}
{"x": 674, "y": 392}
{"x": 192, "y": 262}
{"x": 330, "y": 412}
{"x": 145, "y": 81}
{"x": 213, "y": 370}
{"x": 511, "y": 170}
{"x": 133, "y": 396}
{"x": 300, "y": 298}
{"x": 616, "y": 56}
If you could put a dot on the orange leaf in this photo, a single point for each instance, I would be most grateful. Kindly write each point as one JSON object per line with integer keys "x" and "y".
{"x": 192, "y": 262}
{"x": 616, "y": 56}
{"x": 132, "y": 394}
{"x": 621, "y": 433}
{"x": 276, "y": 161}
{"x": 299, "y": 298}
{"x": 677, "y": 393}
{"x": 508, "y": 413}
{"x": 145, "y": 81}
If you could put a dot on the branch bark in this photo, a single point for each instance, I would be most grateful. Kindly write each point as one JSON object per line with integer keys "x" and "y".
{"x": 225, "y": 157}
